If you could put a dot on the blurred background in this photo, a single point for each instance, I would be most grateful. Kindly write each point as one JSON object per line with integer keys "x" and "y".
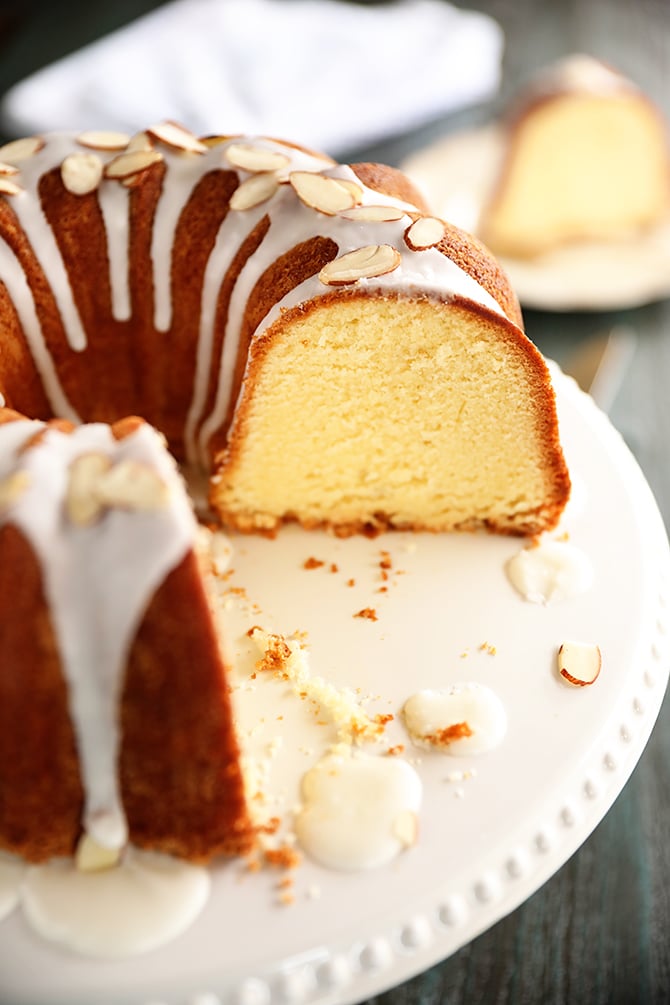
{"x": 381, "y": 81}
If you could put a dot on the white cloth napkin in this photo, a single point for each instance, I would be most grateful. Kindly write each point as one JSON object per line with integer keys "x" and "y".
{"x": 328, "y": 74}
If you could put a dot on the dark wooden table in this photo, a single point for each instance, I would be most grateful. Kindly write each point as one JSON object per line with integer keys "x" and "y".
{"x": 598, "y": 933}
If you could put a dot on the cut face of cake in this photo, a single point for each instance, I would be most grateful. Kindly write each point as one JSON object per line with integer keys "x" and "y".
{"x": 108, "y": 655}
{"x": 402, "y": 413}
{"x": 588, "y": 158}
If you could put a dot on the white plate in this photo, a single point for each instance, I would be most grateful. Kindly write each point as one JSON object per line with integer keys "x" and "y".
{"x": 457, "y": 175}
{"x": 487, "y": 843}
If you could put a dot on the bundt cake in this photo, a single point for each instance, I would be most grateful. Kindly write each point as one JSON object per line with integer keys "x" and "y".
{"x": 587, "y": 158}
{"x": 267, "y": 310}
{"x": 308, "y": 333}
{"x": 118, "y": 655}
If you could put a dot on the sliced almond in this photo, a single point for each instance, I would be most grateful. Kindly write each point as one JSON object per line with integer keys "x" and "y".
{"x": 579, "y": 663}
{"x": 178, "y": 137}
{"x": 7, "y": 169}
{"x": 424, "y": 233}
{"x": 20, "y": 150}
{"x": 127, "y": 165}
{"x": 326, "y": 195}
{"x": 103, "y": 139}
{"x": 93, "y": 857}
{"x": 8, "y": 187}
{"x": 254, "y": 191}
{"x": 81, "y": 173}
{"x": 374, "y": 214}
{"x": 249, "y": 157}
{"x": 140, "y": 141}
{"x": 13, "y": 487}
{"x": 363, "y": 263}
{"x": 351, "y": 186}
{"x": 131, "y": 485}
{"x": 82, "y": 502}
{"x": 406, "y": 828}
{"x": 214, "y": 141}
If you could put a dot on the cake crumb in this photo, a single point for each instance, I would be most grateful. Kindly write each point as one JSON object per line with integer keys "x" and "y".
{"x": 288, "y": 661}
{"x": 486, "y": 647}
{"x": 396, "y": 750}
{"x": 283, "y": 857}
{"x": 351, "y": 582}
{"x": 367, "y": 612}
{"x": 443, "y": 737}
{"x": 334, "y": 567}
{"x": 312, "y": 563}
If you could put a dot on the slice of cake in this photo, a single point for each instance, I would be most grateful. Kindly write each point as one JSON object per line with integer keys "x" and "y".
{"x": 108, "y": 655}
{"x": 587, "y": 158}
{"x": 365, "y": 413}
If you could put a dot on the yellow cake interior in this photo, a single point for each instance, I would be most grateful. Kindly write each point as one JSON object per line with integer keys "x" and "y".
{"x": 581, "y": 167}
{"x": 406, "y": 412}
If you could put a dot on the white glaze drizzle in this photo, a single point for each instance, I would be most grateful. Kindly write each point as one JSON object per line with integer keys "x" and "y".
{"x": 13, "y": 276}
{"x": 550, "y": 571}
{"x": 430, "y": 715}
{"x": 426, "y": 272}
{"x": 147, "y": 900}
{"x": 358, "y": 811}
{"x": 28, "y": 209}
{"x": 115, "y": 208}
{"x": 96, "y": 591}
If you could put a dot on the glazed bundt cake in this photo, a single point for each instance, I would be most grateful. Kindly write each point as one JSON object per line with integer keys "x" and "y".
{"x": 117, "y": 654}
{"x": 267, "y": 309}
{"x": 309, "y": 334}
{"x": 587, "y": 158}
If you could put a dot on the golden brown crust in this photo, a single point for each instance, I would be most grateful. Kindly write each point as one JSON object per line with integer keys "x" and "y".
{"x": 10, "y": 415}
{"x": 473, "y": 257}
{"x": 41, "y": 796}
{"x": 390, "y": 181}
{"x": 181, "y": 782}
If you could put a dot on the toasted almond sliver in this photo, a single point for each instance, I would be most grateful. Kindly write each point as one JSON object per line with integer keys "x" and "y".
{"x": 13, "y": 487}
{"x": 254, "y": 191}
{"x": 103, "y": 139}
{"x": 82, "y": 503}
{"x": 374, "y": 214}
{"x": 406, "y": 828}
{"x": 351, "y": 186}
{"x": 579, "y": 663}
{"x": 92, "y": 857}
{"x": 424, "y": 233}
{"x": 132, "y": 485}
{"x": 249, "y": 157}
{"x": 8, "y": 187}
{"x": 214, "y": 141}
{"x": 176, "y": 136}
{"x": 326, "y": 195}
{"x": 133, "y": 163}
{"x": 8, "y": 169}
{"x": 81, "y": 173}
{"x": 20, "y": 150}
{"x": 363, "y": 263}
{"x": 140, "y": 141}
